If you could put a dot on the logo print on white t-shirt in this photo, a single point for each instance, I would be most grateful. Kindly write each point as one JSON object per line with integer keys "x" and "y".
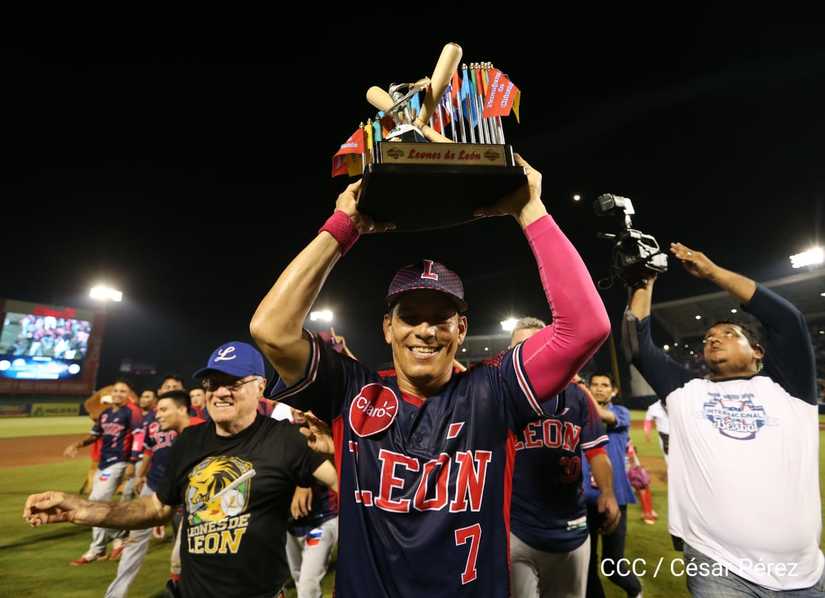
{"x": 735, "y": 416}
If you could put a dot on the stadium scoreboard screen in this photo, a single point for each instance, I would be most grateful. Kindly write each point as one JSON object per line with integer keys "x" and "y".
{"x": 48, "y": 348}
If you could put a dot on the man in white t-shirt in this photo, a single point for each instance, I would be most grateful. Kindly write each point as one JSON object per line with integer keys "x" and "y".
{"x": 656, "y": 415}
{"x": 743, "y": 476}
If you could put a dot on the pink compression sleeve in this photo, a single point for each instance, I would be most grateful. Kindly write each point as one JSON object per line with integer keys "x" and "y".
{"x": 580, "y": 323}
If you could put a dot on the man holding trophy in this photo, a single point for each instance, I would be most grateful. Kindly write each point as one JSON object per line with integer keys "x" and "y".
{"x": 425, "y": 457}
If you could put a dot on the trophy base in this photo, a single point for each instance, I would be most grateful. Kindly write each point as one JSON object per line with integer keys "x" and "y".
{"x": 424, "y": 197}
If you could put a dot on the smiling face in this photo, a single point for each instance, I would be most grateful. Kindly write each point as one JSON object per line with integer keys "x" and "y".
{"x": 424, "y": 330}
{"x": 120, "y": 394}
{"x": 233, "y": 401}
{"x": 170, "y": 414}
{"x": 729, "y": 353}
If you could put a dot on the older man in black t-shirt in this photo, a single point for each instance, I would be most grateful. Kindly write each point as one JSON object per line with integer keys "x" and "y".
{"x": 234, "y": 477}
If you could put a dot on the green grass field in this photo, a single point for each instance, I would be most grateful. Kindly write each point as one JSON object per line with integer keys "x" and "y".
{"x": 35, "y": 561}
{"x": 43, "y": 426}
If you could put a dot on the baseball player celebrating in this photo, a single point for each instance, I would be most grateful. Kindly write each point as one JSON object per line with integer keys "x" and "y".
{"x": 549, "y": 543}
{"x": 161, "y": 430}
{"x": 113, "y": 426}
{"x": 425, "y": 457}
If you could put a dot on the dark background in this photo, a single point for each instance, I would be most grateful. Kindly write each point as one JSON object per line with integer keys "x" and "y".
{"x": 186, "y": 160}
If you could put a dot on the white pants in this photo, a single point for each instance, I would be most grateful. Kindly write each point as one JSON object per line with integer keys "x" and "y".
{"x": 132, "y": 558}
{"x": 308, "y": 560}
{"x": 103, "y": 488}
{"x": 538, "y": 574}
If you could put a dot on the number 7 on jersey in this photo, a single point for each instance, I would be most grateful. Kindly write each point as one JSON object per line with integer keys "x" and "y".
{"x": 473, "y": 534}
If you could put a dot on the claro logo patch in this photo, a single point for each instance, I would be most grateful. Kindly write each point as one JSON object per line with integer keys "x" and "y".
{"x": 373, "y": 410}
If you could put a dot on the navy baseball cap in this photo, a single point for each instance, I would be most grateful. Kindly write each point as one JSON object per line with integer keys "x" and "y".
{"x": 428, "y": 275}
{"x": 235, "y": 359}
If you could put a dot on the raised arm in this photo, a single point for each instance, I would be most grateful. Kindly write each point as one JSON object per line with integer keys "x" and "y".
{"x": 662, "y": 373}
{"x": 699, "y": 265}
{"x": 57, "y": 507}
{"x": 580, "y": 324}
{"x": 277, "y": 325}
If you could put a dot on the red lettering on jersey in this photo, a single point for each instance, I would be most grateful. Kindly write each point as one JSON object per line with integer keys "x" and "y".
{"x": 473, "y": 535}
{"x": 552, "y": 433}
{"x": 373, "y": 410}
{"x": 530, "y": 440}
{"x": 422, "y": 503}
{"x": 367, "y": 496}
{"x": 572, "y": 435}
{"x": 454, "y": 430}
{"x": 472, "y": 475}
{"x": 428, "y": 273}
{"x": 389, "y": 460}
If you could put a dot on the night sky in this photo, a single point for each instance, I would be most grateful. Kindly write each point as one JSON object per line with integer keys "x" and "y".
{"x": 187, "y": 163}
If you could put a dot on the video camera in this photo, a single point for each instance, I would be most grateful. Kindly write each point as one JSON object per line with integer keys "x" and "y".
{"x": 636, "y": 256}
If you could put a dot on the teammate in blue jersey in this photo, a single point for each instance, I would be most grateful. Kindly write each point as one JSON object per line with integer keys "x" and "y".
{"x": 162, "y": 428}
{"x": 617, "y": 419}
{"x": 113, "y": 427}
{"x": 425, "y": 457}
{"x": 743, "y": 469}
{"x": 549, "y": 542}
{"x": 312, "y": 531}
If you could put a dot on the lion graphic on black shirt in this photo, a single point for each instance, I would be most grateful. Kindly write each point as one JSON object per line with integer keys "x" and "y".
{"x": 207, "y": 497}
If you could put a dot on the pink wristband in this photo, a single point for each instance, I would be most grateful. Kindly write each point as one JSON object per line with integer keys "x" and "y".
{"x": 341, "y": 226}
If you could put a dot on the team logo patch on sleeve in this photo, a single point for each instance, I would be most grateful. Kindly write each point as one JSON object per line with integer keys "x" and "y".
{"x": 373, "y": 410}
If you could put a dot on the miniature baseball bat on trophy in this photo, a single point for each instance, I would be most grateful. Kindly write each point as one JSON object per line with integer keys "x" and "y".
{"x": 430, "y": 163}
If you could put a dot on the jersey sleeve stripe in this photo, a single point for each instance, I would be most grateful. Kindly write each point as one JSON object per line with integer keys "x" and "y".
{"x": 524, "y": 383}
{"x": 312, "y": 372}
{"x": 600, "y": 441}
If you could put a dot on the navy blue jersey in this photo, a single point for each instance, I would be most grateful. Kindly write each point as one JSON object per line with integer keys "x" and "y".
{"x": 549, "y": 512}
{"x": 324, "y": 500}
{"x": 156, "y": 444}
{"x": 113, "y": 427}
{"x": 425, "y": 484}
{"x": 324, "y": 507}
{"x": 618, "y": 436}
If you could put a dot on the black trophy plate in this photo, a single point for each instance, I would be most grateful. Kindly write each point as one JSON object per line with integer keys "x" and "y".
{"x": 424, "y": 197}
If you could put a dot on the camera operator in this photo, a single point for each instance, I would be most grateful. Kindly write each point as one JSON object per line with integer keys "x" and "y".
{"x": 743, "y": 477}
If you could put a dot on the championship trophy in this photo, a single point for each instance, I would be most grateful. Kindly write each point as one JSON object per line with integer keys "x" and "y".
{"x": 430, "y": 163}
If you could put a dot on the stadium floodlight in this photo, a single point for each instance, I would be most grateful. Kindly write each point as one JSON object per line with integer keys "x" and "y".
{"x": 102, "y": 292}
{"x": 698, "y": 317}
{"x": 323, "y": 315}
{"x": 509, "y": 324}
{"x": 577, "y": 197}
{"x": 734, "y": 310}
{"x": 666, "y": 347}
{"x": 815, "y": 256}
